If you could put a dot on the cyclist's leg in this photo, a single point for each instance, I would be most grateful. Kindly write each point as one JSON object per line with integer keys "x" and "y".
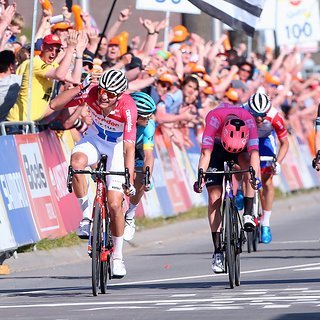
{"x": 83, "y": 154}
{"x": 214, "y": 188}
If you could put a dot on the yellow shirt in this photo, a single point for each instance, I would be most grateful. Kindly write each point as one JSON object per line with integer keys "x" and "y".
{"x": 41, "y": 91}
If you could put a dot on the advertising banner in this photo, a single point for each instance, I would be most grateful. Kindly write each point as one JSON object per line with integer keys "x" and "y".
{"x": 14, "y": 195}
{"x": 7, "y": 242}
{"x": 36, "y": 178}
{"x": 172, "y": 174}
{"x": 183, "y": 6}
{"x": 58, "y": 170}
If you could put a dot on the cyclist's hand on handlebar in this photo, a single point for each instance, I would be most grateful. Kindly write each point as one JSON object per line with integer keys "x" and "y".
{"x": 148, "y": 187}
{"x": 316, "y": 161}
{"x": 277, "y": 168}
{"x": 86, "y": 82}
{"x": 256, "y": 183}
{"x": 130, "y": 190}
{"x": 196, "y": 187}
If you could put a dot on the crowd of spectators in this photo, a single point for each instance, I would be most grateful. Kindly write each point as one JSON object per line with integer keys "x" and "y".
{"x": 186, "y": 79}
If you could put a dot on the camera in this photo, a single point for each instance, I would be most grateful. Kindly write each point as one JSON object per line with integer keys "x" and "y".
{"x": 56, "y": 19}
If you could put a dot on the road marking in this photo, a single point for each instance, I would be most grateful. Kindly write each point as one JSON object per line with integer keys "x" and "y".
{"x": 277, "y": 306}
{"x": 308, "y": 269}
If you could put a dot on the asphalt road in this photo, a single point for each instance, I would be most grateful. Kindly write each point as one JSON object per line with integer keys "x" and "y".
{"x": 169, "y": 276}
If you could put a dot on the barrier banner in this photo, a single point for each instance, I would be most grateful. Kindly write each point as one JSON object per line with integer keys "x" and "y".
{"x": 58, "y": 170}
{"x": 14, "y": 195}
{"x": 161, "y": 187}
{"x": 172, "y": 174}
{"x": 7, "y": 242}
{"x": 36, "y": 178}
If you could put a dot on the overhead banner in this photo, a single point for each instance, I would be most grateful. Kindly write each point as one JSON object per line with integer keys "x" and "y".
{"x": 182, "y": 6}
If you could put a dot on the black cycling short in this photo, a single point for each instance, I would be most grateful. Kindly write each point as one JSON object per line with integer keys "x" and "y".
{"x": 218, "y": 157}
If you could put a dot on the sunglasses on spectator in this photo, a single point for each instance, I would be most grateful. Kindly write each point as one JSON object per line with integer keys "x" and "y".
{"x": 185, "y": 51}
{"x": 164, "y": 84}
{"x": 110, "y": 95}
{"x": 245, "y": 70}
{"x": 53, "y": 49}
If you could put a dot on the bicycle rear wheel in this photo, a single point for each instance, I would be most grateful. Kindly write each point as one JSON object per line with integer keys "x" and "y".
{"x": 238, "y": 244}
{"x": 229, "y": 243}
{"x": 96, "y": 249}
{"x": 250, "y": 241}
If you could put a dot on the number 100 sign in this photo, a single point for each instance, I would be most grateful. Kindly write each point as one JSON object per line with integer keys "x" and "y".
{"x": 297, "y": 21}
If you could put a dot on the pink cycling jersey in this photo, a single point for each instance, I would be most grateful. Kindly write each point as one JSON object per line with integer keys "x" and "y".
{"x": 215, "y": 120}
{"x": 272, "y": 122}
{"x": 119, "y": 125}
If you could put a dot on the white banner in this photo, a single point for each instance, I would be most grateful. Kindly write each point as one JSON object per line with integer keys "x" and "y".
{"x": 182, "y": 6}
{"x": 297, "y": 21}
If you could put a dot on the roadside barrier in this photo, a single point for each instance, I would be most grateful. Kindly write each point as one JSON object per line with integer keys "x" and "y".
{"x": 35, "y": 203}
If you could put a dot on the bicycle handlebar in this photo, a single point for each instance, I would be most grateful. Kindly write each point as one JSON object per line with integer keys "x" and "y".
{"x": 95, "y": 172}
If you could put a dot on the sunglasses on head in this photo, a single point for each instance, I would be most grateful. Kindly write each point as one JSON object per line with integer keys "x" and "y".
{"x": 110, "y": 95}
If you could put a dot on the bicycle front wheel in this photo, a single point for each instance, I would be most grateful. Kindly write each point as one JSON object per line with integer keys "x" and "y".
{"x": 96, "y": 249}
{"x": 229, "y": 243}
{"x": 238, "y": 239}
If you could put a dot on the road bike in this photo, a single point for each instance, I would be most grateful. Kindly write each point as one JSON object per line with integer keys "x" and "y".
{"x": 254, "y": 237}
{"x": 100, "y": 245}
{"x": 232, "y": 232}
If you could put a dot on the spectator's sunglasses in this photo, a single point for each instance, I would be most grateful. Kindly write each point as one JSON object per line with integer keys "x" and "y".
{"x": 164, "y": 84}
{"x": 186, "y": 51}
{"x": 110, "y": 95}
{"x": 245, "y": 70}
{"x": 53, "y": 49}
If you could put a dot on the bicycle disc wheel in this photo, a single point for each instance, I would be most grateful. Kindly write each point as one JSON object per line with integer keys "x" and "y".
{"x": 229, "y": 243}
{"x": 105, "y": 268}
{"x": 96, "y": 248}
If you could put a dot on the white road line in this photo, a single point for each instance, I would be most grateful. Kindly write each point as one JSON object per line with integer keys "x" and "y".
{"x": 277, "y": 306}
{"x": 308, "y": 269}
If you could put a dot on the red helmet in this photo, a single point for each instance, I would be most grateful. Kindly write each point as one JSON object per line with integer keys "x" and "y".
{"x": 234, "y": 135}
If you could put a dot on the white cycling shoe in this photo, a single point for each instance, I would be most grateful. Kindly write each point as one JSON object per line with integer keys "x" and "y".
{"x": 84, "y": 229}
{"x": 118, "y": 268}
{"x": 129, "y": 229}
{"x": 218, "y": 263}
{"x": 248, "y": 223}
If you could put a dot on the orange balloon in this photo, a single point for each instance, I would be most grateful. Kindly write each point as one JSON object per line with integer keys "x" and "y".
{"x": 46, "y": 5}
{"x": 123, "y": 39}
{"x": 76, "y": 10}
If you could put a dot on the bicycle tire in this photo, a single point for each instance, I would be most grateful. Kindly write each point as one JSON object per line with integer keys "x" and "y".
{"x": 250, "y": 240}
{"x": 105, "y": 268}
{"x": 229, "y": 245}
{"x": 238, "y": 244}
{"x": 96, "y": 250}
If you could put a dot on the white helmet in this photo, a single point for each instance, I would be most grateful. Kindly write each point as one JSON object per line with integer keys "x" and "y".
{"x": 259, "y": 103}
{"x": 114, "y": 81}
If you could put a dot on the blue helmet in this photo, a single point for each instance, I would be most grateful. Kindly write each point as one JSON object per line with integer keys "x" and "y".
{"x": 145, "y": 104}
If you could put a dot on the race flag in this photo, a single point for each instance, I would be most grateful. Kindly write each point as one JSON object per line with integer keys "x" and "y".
{"x": 238, "y": 14}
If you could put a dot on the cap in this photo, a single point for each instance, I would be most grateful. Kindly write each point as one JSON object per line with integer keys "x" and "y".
{"x": 180, "y": 33}
{"x": 164, "y": 54}
{"x": 87, "y": 57}
{"x": 232, "y": 95}
{"x": 114, "y": 42}
{"x": 166, "y": 77}
{"x": 272, "y": 79}
{"x": 52, "y": 39}
{"x": 209, "y": 90}
{"x": 238, "y": 84}
{"x": 198, "y": 69}
{"x": 61, "y": 26}
{"x": 135, "y": 63}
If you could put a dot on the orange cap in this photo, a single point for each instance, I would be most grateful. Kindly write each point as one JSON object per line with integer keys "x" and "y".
{"x": 180, "y": 33}
{"x": 166, "y": 77}
{"x": 114, "y": 41}
{"x": 272, "y": 79}
{"x": 207, "y": 78}
{"x": 232, "y": 94}
{"x": 198, "y": 69}
{"x": 209, "y": 90}
{"x": 61, "y": 26}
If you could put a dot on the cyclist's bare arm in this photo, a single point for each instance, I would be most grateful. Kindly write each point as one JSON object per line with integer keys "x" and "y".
{"x": 148, "y": 160}
{"x": 59, "y": 102}
{"x": 129, "y": 154}
{"x": 204, "y": 159}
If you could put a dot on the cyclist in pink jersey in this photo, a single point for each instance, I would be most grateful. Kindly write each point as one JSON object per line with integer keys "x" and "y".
{"x": 270, "y": 126}
{"x": 113, "y": 132}
{"x": 230, "y": 134}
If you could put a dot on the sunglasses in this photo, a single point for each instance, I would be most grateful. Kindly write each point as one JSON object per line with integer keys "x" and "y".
{"x": 186, "y": 51}
{"x": 53, "y": 49}
{"x": 164, "y": 84}
{"x": 142, "y": 117}
{"x": 245, "y": 70}
{"x": 110, "y": 95}
{"x": 256, "y": 115}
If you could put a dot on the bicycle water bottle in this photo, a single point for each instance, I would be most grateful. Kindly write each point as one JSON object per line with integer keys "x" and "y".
{"x": 239, "y": 200}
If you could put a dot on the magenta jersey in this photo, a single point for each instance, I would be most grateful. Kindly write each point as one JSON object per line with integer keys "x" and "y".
{"x": 119, "y": 125}
{"x": 273, "y": 122}
{"x": 215, "y": 120}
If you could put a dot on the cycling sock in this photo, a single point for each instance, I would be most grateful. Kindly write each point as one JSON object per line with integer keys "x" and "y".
{"x": 131, "y": 212}
{"x": 84, "y": 204}
{"x": 266, "y": 218}
{"x": 216, "y": 238}
{"x": 117, "y": 247}
{"x": 248, "y": 205}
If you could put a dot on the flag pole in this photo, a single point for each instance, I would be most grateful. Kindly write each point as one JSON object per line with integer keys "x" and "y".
{"x": 166, "y": 31}
{"x": 105, "y": 26}
{"x": 34, "y": 27}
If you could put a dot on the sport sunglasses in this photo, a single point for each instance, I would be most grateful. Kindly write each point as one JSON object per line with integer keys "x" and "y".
{"x": 110, "y": 95}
